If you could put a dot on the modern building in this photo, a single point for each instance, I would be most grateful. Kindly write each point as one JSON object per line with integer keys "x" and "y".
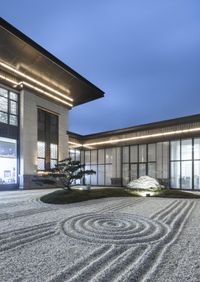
{"x": 167, "y": 150}
{"x": 37, "y": 91}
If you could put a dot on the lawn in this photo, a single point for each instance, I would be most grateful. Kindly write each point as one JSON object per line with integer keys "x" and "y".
{"x": 62, "y": 197}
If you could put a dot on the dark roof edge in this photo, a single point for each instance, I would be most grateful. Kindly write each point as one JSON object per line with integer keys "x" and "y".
{"x": 147, "y": 126}
{"x": 44, "y": 52}
{"x": 75, "y": 135}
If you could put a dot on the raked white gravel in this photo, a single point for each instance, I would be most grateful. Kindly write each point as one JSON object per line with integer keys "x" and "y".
{"x": 113, "y": 239}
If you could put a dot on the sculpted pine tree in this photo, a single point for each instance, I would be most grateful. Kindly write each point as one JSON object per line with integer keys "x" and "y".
{"x": 67, "y": 171}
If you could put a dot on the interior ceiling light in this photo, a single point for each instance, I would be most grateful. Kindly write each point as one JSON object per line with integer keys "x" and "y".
{"x": 22, "y": 83}
{"x": 35, "y": 81}
{"x": 143, "y": 137}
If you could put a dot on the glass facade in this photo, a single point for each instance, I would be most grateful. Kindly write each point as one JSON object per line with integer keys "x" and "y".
{"x": 8, "y": 107}
{"x": 47, "y": 145}
{"x": 8, "y": 161}
{"x": 182, "y": 163}
{"x": 9, "y": 135}
{"x": 176, "y": 163}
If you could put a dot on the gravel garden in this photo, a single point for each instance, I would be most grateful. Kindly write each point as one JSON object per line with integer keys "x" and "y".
{"x": 104, "y": 239}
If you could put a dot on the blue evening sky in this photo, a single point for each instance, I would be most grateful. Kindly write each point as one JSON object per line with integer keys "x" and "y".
{"x": 144, "y": 54}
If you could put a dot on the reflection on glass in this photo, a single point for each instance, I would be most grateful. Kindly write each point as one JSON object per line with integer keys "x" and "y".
{"x": 197, "y": 148}
{"x": 151, "y": 152}
{"x": 40, "y": 164}
{"x": 133, "y": 171}
{"x": 10, "y": 111}
{"x": 125, "y": 151}
{"x": 94, "y": 176}
{"x": 152, "y": 170}
{"x": 142, "y": 170}
{"x": 82, "y": 157}
{"x": 13, "y": 107}
{"x": 3, "y": 117}
{"x": 165, "y": 162}
{"x": 53, "y": 163}
{"x": 142, "y": 153}
{"x": 175, "y": 174}
{"x": 186, "y": 175}
{"x": 54, "y": 151}
{"x": 3, "y": 104}
{"x": 125, "y": 174}
{"x": 100, "y": 174}
{"x": 134, "y": 154}
{"x": 87, "y": 157}
{"x": 186, "y": 149}
{"x": 108, "y": 174}
{"x": 87, "y": 177}
{"x": 93, "y": 156}
{"x": 13, "y": 120}
{"x": 175, "y": 150}
{"x": 109, "y": 155}
{"x": 78, "y": 155}
{"x": 196, "y": 175}
{"x": 101, "y": 156}
{"x": 159, "y": 160}
{"x": 41, "y": 149}
{"x": 13, "y": 96}
{"x": 3, "y": 92}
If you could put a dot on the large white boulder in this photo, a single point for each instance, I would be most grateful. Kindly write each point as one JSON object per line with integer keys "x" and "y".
{"x": 144, "y": 182}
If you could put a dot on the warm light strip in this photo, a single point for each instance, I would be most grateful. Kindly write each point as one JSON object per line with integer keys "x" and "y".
{"x": 35, "y": 81}
{"x": 74, "y": 143}
{"x": 45, "y": 93}
{"x": 8, "y": 79}
{"x": 143, "y": 136}
{"x": 35, "y": 88}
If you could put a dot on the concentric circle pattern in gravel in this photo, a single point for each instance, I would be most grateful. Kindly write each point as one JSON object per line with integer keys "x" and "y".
{"x": 114, "y": 228}
{"x": 113, "y": 239}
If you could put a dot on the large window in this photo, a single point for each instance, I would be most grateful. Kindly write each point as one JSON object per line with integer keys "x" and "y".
{"x": 181, "y": 164}
{"x": 176, "y": 163}
{"x": 162, "y": 161}
{"x": 8, "y": 107}
{"x": 8, "y": 161}
{"x": 125, "y": 165}
{"x": 101, "y": 167}
{"x": 41, "y": 155}
{"x": 152, "y": 160}
{"x": 47, "y": 140}
{"x": 175, "y": 174}
{"x": 106, "y": 163}
{"x": 197, "y": 163}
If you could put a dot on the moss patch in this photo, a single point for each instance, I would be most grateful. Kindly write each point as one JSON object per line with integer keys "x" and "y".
{"x": 61, "y": 197}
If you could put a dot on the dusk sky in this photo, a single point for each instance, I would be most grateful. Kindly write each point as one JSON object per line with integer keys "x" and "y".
{"x": 144, "y": 54}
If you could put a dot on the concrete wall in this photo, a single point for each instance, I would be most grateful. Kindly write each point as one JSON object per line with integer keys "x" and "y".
{"x": 29, "y": 103}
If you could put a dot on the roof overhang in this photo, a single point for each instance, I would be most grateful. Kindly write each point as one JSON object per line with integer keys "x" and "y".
{"x": 23, "y": 60}
{"x": 183, "y": 127}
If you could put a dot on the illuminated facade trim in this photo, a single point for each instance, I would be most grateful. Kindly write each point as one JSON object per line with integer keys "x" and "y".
{"x": 22, "y": 83}
{"x": 35, "y": 81}
{"x": 36, "y": 121}
{"x": 177, "y": 132}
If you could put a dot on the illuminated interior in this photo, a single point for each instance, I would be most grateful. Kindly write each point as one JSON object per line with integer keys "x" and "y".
{"x": 8, "y": 161}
